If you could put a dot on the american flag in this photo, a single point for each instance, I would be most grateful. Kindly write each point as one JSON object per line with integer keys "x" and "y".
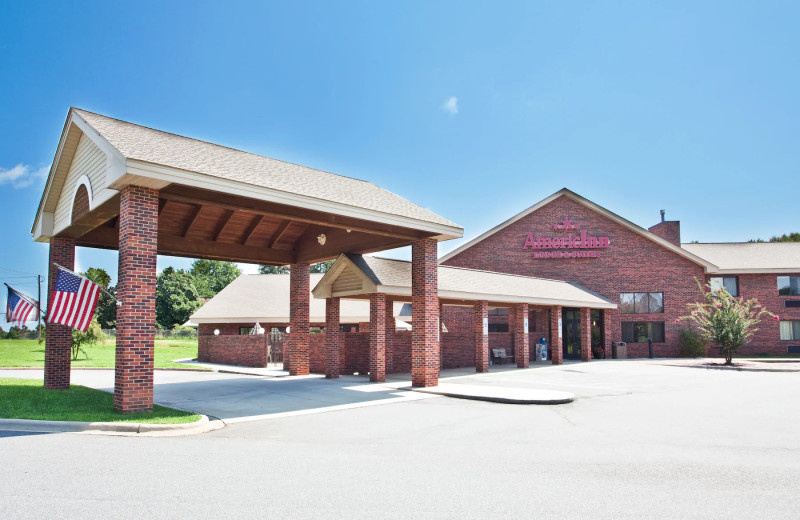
{"x": 18, "y": 308}
{"x": 73, "y": 300}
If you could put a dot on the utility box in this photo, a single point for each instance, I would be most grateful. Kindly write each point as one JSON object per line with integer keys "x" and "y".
{"x": 619, "y": 350}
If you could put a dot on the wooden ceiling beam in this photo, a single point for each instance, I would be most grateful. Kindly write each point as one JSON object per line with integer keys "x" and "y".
{"x": 222, "y": 224}
{"x": 162, "y": 203}
{"x": 252, "y": 227}
{"x": 278, "y": 234}
{"x": 192, "y": 219}
{"x": 105, "y": 237}
{"x": 197, "y": 196}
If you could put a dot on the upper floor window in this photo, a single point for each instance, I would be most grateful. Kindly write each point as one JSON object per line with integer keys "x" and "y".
{"x": 729, "y": 283}
{"x": 641, "y": 303}
{"x": 790, "y": 329}
{"x": 789, "y": 285}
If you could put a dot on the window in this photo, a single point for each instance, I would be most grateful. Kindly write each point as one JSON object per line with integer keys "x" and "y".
{"x": 641, "y": 331}
{"x": 789, "y": 285}
{"x": 729, "y": 283}
{"x": 500, "y": 311}
{"x": 641, "y": 303}
{"x": 348, "y": 327}
{"x": 498, "y": 327}
{"x": 244, "y": 331}
{"x": 790, "y": 330}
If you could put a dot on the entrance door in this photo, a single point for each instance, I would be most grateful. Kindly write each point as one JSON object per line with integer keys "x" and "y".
{"x": 571, "y": 332}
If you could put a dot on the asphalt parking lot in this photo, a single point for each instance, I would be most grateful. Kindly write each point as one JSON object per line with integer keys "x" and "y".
{"x": 642, "y": 439}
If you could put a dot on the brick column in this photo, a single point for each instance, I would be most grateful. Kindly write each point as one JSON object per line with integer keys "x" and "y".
{"x": 299, "y": 295}
{"x": 136, "y": 317}
{"x": 377, "y": 337}
{"x": 480, "y": 314}
{"x": 332, "y": 323}
{"x": 556, "y": 352}
{"x": 586, "y": 334}
{"x": 58, "y": 338}
{"x": 521, "y": 336}
{"x": 608, "y": 340}
{"x": 425, "y": 314}
{"x": 391, "y": 327}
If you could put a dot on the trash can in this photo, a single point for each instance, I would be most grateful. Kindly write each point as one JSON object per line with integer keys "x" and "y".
{"x": 620, "y": 350}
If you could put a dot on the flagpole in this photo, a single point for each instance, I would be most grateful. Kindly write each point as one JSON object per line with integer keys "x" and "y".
{"x": 39, "y": 307}
{"x": 77, "y": 274}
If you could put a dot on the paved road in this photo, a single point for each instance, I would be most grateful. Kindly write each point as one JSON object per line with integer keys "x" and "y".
{"x": 642, "y": 440}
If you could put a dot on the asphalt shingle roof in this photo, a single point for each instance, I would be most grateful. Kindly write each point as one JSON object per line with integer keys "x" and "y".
{"x": 163, "y": 148}
{"x": 749, "y": 255}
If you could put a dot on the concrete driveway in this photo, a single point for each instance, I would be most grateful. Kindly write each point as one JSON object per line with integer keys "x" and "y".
{"x": 240, "y": 398}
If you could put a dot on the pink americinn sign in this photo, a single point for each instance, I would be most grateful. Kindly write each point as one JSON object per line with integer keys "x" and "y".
{"x": 580, "y": 240}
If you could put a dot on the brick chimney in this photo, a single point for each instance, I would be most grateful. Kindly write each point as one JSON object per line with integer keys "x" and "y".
{"x": 669, "y": 230}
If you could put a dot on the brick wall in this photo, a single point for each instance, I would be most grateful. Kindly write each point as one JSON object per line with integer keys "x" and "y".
{"x": 669, "y": 231}
{"x": 764, "y": 287}
{"x": 425, "y": 313}
{"x": 631, "y": 263}
{"x": 242, "y": 350}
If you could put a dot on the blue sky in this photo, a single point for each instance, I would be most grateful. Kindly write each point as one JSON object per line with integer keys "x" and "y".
{"x": 474, "y": 110}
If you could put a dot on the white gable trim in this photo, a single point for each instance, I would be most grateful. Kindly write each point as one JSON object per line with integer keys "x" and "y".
{"x": 83, "y": 180}
{"x": 709, "y": 267}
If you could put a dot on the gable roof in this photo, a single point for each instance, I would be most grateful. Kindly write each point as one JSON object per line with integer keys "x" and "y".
{"x": 750, "y": 257}
{"x": 165, "y": 157}
{"x": 564, "y": 192}
{"x": 264, "y": 298}
{"x": 393, "y": 277}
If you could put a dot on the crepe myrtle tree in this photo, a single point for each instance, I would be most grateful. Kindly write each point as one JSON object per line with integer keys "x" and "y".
{"x": 725, "y": 320}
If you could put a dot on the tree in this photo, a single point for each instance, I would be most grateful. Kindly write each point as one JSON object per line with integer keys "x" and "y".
{"x": 725, "y": 320}
{"x": 2, "y": 333}
{"x": 107, "y": 309}
{"x": 176, "y": 298}
{"x": 98, "y": 276}
{"x": 321, "y": 267}
{"x": 273, "y": 269}
{"x": 790, "y": 237}
{"x": 211, "y": 276}
{"x": 82, "y": 340}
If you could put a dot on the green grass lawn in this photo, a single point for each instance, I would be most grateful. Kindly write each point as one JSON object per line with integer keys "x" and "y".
{"x": 27, "y": 399}
{"x": 29, "y": 353}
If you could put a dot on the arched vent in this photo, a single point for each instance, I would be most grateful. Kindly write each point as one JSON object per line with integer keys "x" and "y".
{"x": 80, "y": 205}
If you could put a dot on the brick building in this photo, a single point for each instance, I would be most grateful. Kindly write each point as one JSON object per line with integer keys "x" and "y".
{"x": 649, "y": 273}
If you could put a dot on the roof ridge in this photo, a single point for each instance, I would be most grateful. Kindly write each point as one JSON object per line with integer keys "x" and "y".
{"x": 220, "y": 145}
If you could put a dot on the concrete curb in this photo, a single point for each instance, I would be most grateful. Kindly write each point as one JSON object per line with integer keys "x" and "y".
{"x": 735, "y": 368}
{"x": 110, "y": 428}
{"x": 493, "y": 394}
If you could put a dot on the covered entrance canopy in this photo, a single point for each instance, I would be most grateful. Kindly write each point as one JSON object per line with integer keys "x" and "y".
{"x": 381, "y": 280}
{"x": 117, "y": 185}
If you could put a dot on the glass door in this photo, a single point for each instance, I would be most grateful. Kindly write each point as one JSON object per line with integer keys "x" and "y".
{"x": 571, "y": 333}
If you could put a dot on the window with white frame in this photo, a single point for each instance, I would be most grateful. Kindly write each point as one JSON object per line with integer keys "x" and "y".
{"x": 790, "y": 330}
{"x": 729, "y": 283}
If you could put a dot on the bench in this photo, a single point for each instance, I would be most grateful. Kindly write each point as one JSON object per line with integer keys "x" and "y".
{"x": 500, "y": 353}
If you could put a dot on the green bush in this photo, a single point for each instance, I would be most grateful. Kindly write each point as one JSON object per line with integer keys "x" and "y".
{"x": 692, "y": 345}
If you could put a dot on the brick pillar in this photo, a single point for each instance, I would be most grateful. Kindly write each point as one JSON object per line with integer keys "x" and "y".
{"x": 332, "y": 338}
{"x": 58, "y": 338}
{"x": 556, "y": 352}
{"x": 480, "y": 314}
{"x": 608, "y": 340}
{"x": 425, "y": 314}
{"x": 521, "y": 343}
{"x": 377, "y": 337}
{"x": 136, "y": 317}
{"x": 299, "y": 295}
{"x": 586, "y": 334}
{"x": 391, "y": 327}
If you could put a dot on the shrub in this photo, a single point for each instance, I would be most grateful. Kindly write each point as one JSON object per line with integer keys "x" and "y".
{"x": 81, "y": 340}
{"x": 692, "y": 344}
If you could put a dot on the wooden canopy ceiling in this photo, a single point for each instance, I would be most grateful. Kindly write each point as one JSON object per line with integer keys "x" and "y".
{"x": 198, "y": 223}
